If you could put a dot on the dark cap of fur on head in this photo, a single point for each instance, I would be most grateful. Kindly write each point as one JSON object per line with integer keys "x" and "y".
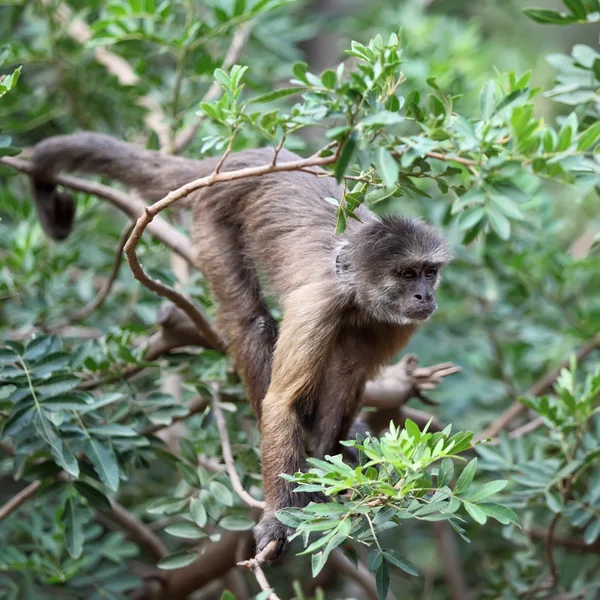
{"x": 402, "y": 239}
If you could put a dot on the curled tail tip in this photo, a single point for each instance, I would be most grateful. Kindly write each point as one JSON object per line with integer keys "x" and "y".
{"x": 56, "y": 210}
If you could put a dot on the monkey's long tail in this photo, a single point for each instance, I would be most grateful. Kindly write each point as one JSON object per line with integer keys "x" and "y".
{"x": 151, "y": 173}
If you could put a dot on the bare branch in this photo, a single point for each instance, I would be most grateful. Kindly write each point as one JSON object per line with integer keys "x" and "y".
{"x": 18, "y": 499}
{"x": 543, "y": 385}
{"x": 139, "y": 532}
{"x": 359, "y": 573}
{"x": 255, "y": 565}
{"x": 228, "y": 457}
{"x": 131, "y": 206}
{"x": 238, "y": 42}
{"x": 455, "y": 579}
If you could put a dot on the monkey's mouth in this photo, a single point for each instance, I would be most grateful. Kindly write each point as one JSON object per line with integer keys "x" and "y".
{"x": 420, "y": 313}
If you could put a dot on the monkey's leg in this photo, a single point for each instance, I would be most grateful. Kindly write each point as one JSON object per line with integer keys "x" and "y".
{"x": 305, "y": 341}
{"x": 243, "y": 314}
{"x": 336, "y": 414}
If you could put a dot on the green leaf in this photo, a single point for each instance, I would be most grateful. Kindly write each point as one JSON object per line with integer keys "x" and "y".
{"x": 576, "y": 7}
{"x": 113, "y": 430}
{"x": 73, "y": 520}
{"x": 385, "y": 117}
{"x": 470, "y": 217}
{"x": 382, "y": 580}
{"x": 592, "y": 532}
{"x": 589, "y": 137}
{"x": 57, "y": 384}
{"x": 198, "y": 512}
{"x": 502, "y": 514}
{"x": 236, "y": 523}
{"x": 276, "y": 95}
{"x": 93, "y": 495}
{"x": 466, "y": 477}
{"x": 500, "y": 224}
{"x": 167, "y": 506}
{"x": 299, "y": 71}
{"x": 567, "y": 132}
{"x": 476, "y": 512}
{"x": 37, "y": 348}
{"x": 548, "y": 16}
{"x": 487, "y": 100}
{"x": 345, "y": 157}
{"x": 227, "y": 595}
{"x": 329, "y": 78}
{"x": 188, "y": 531}
{"x": 221, "y": 493}
{"x": 104, "y": 462}
{"x": 399, "y": 561}
{"x": 190, "y": 475}
{"x": 446, "y": 472}
{"x": 374, "y": 560}
{"x": 486, "y": 490}
{"x": 387, "y": 167}
{"x": 177, "y": 560}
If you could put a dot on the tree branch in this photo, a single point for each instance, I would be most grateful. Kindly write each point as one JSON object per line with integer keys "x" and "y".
{"x": 18, "y": 499}
{"x": 255, "y": 565}
{"x": 138, "y": 531}
{"x": 359, "y": 573}
{"x": 543, "y": 385}
{"x": 228, "y": 457}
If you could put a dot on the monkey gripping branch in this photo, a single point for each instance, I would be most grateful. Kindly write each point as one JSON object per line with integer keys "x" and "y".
{"x": 383, "y": 144}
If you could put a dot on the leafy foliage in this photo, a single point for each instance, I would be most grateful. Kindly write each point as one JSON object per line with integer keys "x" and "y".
{"x": 421, "y": 124}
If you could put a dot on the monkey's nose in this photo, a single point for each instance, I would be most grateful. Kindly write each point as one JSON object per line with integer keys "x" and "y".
{"x": 426, "y": 297}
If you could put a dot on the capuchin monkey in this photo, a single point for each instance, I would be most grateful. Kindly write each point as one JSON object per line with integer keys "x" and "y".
{"x": 350, "y": 302}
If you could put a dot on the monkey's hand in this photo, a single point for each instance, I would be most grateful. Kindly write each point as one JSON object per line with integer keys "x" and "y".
{"x": 271, "y": 529}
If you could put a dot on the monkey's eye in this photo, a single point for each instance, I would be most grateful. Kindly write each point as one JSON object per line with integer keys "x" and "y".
{"x": 430, "y": 273}
{"x": 408, "y": 273}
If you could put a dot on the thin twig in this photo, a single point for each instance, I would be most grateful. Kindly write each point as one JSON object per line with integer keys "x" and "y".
{"x": 543, "y": 385}
{"x": 106, "y": 288}
{"x": 255, "y": 565}
{"x": 228, "y": 457}
{"x": 238, "y": 42}
{"x": 18, "y": 499}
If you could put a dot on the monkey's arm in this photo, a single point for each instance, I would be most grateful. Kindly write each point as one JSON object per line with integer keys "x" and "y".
{"x": 305, "y": 341}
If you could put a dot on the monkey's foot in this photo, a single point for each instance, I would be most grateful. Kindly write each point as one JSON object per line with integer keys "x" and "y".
{"x": 271, "y": 529}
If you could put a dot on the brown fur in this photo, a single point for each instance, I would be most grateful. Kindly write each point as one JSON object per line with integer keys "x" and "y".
{"x": 348, "y": 306}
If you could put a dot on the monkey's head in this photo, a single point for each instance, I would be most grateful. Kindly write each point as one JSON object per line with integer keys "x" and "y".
{"x": 392, "y": 268}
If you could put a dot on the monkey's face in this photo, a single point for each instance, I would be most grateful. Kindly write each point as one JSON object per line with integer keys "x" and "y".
{"x": 400, "y": 295}
{"x": 392, "y": 268}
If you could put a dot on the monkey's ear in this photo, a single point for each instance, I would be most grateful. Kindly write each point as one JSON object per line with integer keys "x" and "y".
{"x": 342, "y": 263}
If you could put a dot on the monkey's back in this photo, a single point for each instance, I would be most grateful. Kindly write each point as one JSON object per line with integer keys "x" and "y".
{"x": 284, "y": 223}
